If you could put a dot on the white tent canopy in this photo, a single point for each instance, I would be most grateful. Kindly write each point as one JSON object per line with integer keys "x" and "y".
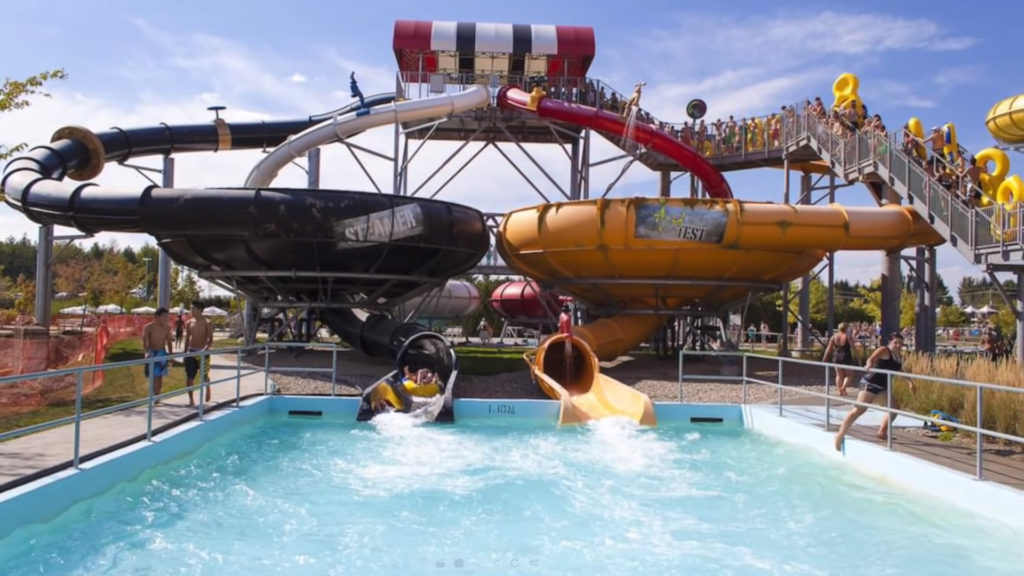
{"x": 143, "y": 310}
{"x": 970, "y": 309}
{"x": 110, "y": 309}
{"x": 177, "y": 310}
{"x": 986, "y": 309}
{"x": 76, "y": 310}
{"x": 214, "y": 311}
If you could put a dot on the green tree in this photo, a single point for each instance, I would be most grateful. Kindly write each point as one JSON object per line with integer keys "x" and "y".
{"x": 24, "y": 295}
{"x": 184, "y": 286}
{"x": 951, "y": 316}
{"x": 16, "y": 94}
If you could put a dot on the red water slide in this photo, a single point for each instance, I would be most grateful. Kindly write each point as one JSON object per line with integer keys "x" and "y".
{"x": 640, "y": 132}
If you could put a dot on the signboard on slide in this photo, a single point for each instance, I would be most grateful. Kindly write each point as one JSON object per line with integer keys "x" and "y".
{"x": 662, "y": 221}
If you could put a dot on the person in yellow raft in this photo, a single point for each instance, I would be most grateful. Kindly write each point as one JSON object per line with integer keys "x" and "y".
{"x": 423, "y": 383}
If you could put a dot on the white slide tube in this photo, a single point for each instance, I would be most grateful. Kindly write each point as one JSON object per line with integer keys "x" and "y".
{"x": 341, "y": 127}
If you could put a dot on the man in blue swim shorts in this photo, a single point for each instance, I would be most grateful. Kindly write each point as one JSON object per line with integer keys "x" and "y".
{"x": 157, "y": 343}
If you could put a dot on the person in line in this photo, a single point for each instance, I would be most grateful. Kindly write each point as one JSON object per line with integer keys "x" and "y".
{"x": 198, "y": 338}
{"x": 841, "y": 354}
{"x": 157, "y": 343}
{"x": 888, "y": 357}
{"x": 179, "y": 331}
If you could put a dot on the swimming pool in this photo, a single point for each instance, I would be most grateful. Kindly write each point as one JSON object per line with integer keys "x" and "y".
{"x": 287, "y": 495}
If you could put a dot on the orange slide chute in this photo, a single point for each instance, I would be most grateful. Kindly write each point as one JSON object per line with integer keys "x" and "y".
{"x": 656, "y": 255}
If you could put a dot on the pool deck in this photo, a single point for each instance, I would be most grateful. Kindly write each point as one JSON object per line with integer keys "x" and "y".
{"x": 34, "y": 454}
{"x": 999, "y": 463}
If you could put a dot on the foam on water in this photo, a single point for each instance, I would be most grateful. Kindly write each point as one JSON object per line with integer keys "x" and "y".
{"x": 398, "y": 496}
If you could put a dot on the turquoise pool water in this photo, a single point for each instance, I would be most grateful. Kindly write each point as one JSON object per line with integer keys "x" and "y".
{"x": 291, "y": 496}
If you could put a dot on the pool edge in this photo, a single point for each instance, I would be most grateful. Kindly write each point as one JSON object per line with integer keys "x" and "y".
{"x": 986, "y": 498}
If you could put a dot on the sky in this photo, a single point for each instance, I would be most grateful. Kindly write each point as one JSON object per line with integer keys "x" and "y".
{"x": 142, "y": 63}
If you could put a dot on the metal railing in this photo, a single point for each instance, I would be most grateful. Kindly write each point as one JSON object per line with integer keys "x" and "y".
{"x": 746, "y": 380}
{"x": 151, "y": 400}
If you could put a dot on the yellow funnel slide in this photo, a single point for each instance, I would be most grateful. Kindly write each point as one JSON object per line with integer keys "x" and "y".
{"x": 567, "y": 370}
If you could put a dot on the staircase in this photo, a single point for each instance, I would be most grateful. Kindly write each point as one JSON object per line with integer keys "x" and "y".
{"x": 989, "y": 237}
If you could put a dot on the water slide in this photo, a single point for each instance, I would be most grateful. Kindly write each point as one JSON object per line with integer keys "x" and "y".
{"x": 646, "y": 257}
{"x": 296, "y": 246}
{"x": 424, "y": 349}
{"x": 642, "y": 133}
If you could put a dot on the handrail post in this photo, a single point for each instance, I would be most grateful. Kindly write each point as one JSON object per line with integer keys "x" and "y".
{"x": 828, "y": 399}
{"x": 266, "y": 368}
{"x": 151, "y": 368}
{"x": 888, "y": 412}
{"x": 78, "y": 418}
{"x": 238, "y": 376}
{"x": 780, "y": 386}
{"x": 334, "y": 369}
{"x": 978, "y": 443}
{"x": 679, "y": 380}
{"x": 744, "y": 378}
{"x": 201, "y": 391}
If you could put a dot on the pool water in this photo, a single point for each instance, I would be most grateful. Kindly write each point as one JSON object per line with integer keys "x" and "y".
{"x": 292, "y": 496}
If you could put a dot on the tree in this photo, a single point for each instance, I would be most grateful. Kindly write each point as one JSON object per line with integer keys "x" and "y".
{"x": 24, "y": 295}
{"x": 184, "y": 286}
{"x": 952, "y": 316}
{"x": 72, "y": 276}
{"x": 16, "y": 94}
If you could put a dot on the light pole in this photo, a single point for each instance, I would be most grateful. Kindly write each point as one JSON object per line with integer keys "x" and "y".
{"x": 145, "y": 283}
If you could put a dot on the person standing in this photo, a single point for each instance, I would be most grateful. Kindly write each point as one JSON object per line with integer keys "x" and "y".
{"x": 157, "y": 343}
{"x": 179, "y": 331}
{"x": 198, "y": 339}
{"x": 883, "y": 358}
{"x": 841, "y": 354}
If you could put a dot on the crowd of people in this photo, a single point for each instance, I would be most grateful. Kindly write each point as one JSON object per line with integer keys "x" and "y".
{"x": 957, "y": 172}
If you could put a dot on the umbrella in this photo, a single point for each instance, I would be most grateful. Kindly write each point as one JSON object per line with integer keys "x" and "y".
{"x": 143, "y": 310}
{"x": 214, "y": 311}
{"x": 110, "y": 309}
{"x": 76, "y": 310}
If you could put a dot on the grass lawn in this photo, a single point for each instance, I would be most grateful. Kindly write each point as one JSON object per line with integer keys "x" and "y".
{"x": 487, "y": 361}
{"x": 119, "y": 385}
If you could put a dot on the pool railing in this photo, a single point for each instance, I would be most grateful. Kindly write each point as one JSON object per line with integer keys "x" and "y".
{"x": 744, "y": 377}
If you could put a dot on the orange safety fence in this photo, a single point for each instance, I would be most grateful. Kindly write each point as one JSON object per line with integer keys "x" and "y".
{"x": 77, "y": 342}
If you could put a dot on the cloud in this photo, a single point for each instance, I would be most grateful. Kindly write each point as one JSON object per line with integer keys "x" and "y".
{"x": 297, "y": 78}
{"x": 951, "y": 78}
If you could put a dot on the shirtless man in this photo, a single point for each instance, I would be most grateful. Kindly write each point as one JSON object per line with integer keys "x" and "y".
{"x": 156, "y": 343}
{"x": 198, "y": 338}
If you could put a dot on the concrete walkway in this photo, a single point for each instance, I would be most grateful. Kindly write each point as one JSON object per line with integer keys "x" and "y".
{"x": 34, "y": 453}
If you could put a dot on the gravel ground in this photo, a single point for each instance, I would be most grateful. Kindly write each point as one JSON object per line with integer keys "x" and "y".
{"x": 657, "y": 378}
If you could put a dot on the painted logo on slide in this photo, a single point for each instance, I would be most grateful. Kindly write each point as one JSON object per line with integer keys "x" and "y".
{"x": 664, "y": 221}
{"x": 385, "y": 226}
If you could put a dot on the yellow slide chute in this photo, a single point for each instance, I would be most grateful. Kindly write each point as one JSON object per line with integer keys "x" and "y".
{"x": 1005, "y": 121}
{"x": 644, "y": 255}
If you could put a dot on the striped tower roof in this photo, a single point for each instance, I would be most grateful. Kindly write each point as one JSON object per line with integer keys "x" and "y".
{"x": 487, "y": 48}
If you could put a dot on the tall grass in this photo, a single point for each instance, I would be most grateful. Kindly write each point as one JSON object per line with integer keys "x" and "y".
{"x": 1002, "y": 411}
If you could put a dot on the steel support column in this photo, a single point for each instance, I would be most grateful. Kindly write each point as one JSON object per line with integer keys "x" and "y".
{"x": 891, "y": 285}
{"x": 44, "y": 275}
{"x": 163, "y": 269}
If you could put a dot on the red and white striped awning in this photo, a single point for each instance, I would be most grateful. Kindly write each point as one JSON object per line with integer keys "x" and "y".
{"x": 423, "y": 47}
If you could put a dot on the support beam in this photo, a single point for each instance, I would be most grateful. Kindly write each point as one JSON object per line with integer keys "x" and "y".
{"x": 891, "y": 287}
{"x": 44, "y": 275}
{"x": 1019, "y": 348}
{"x": 804, "y": 297}
{"x": 163, "y": 269}
{"x": 931, "y": 293}
{"x": 665, "y": 189}
{"x": 920, "y": 307}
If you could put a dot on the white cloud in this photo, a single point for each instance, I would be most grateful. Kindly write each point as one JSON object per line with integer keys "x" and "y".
{"x": 297, "y": 78}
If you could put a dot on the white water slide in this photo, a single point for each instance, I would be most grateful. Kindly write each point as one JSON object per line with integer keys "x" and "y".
{"x": 340, "y": 127}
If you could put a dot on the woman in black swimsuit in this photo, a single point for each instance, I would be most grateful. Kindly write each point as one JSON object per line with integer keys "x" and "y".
{"x": 883, "y": 358}
{"x": 842, "y": 356}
